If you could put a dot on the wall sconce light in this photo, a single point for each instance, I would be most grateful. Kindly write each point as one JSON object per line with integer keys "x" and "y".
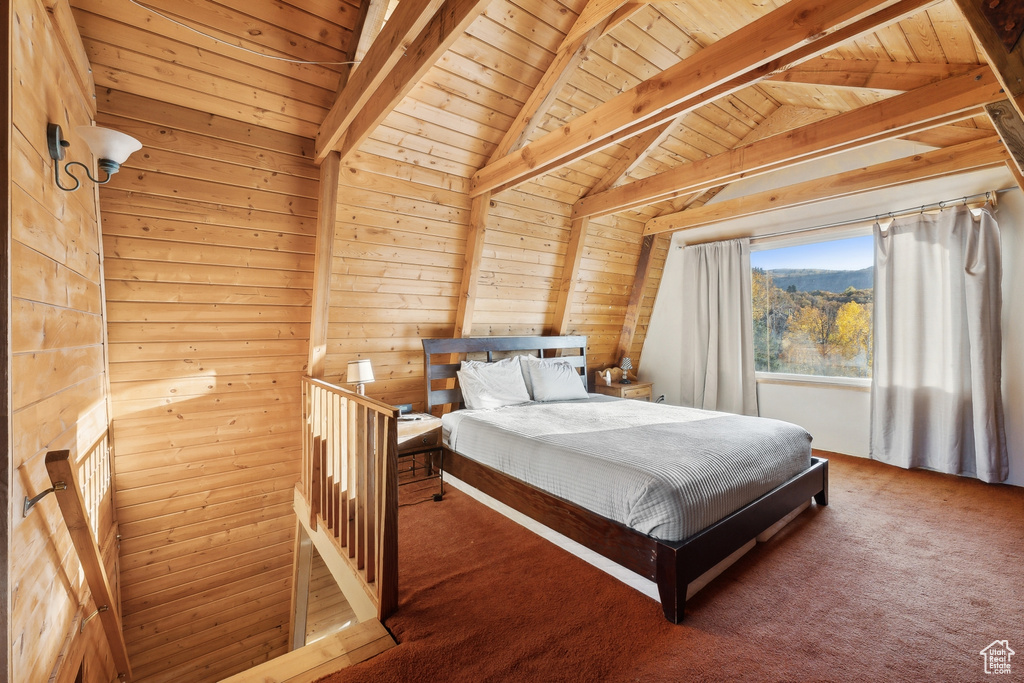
{"x": 110, "y": 147}
{"x": 360, "y": 373}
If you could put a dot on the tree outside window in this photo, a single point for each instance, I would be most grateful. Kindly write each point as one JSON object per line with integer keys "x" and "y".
{"x": 813, "y": 320}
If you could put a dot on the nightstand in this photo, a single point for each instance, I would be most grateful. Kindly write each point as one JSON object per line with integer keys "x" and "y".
{"x": 417, "y": 440}
{"x": 641, "y": 391}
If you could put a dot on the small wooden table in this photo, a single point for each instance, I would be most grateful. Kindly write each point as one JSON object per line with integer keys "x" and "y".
{"x": 640, "y": 391}
{"x": 417, "y": 439}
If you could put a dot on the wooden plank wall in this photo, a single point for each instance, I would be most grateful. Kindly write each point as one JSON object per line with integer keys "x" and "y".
{"x": 398, "y": 267}
{"x": 399, "y": 243}
{"x": 57, "y": 364}
{"x": 209, "y": 239}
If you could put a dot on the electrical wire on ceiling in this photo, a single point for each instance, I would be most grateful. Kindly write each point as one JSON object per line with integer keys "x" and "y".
{"x": 223, "y": 42}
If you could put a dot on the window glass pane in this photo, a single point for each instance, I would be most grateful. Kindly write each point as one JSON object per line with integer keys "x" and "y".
{"x": 812, "y": 308}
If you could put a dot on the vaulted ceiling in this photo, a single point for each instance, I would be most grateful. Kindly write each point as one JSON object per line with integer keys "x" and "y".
{"x": 493, "y": 76}
{"x": 568, "y": 129}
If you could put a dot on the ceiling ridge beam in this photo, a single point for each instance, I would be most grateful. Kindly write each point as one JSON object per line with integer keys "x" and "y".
{"x": 593, "y": 16}
{"x": 388, "y": 48}
{"x": 796, "y": 31}
{"x": 941, "y": 162}
{"x": 926, "y": 107}
{"x": 447, "y": 26}
{"x": 568, "y": 56}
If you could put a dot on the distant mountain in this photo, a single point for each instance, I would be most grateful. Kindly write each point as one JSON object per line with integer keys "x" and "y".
{"x": 810, "y": 279}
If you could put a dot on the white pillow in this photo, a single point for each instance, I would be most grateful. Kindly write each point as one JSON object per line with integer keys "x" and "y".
{"x": 524, "y": 362}
{"x": 492, "y": 385}
{"x": 555, "y": 381}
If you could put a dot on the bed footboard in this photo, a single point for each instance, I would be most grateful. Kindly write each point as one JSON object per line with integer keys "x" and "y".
{"x": 672, "y": 565}
{"x": 681, "y": 562}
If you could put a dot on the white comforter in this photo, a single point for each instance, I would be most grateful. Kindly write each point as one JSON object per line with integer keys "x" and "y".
{"x": 665, "y": 471}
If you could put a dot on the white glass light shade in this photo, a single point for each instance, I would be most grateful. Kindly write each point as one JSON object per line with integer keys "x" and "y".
{"x": 359, "y": 371}
{"x": 109, "y": 144}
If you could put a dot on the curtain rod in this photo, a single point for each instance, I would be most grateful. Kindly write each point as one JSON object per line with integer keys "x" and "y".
{"x": 888, "y": 214}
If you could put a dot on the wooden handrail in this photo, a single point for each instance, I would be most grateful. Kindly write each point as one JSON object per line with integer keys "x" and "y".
{"x": 73, "y": 508}
{"x": 350, "y": 481}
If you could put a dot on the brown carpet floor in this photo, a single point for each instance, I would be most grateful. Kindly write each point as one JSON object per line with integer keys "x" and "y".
{"x": 905, "y": 576}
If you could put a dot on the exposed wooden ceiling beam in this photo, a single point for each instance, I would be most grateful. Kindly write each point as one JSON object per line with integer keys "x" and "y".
{"x": 948, "y": 135}
{"x": 623, "y": 14}
{"x": 1008, "y": 64}
{"x": 874, "y": 75}
{"x": 375, "y": 12}
{"x": 594, "y": 14}
{"x": 951, "y": 160}
{"x": 358, "y": 32}
{"x": 323, "y": 264}
{"x": 559, "y": 71}
{"x": 636, "y": 295}
{"x": 478, "y": 212}
{"x": 932, "y": 105}
{"x": 447, "y": 26}
{"x": 388, "y": 48}
{"x": 570, "y": 274}
{"x": 786, "y": 117}
{"x": 1010, "y": 127}
{"x": 637, "y": 148}
{"x": 798, "y": 30}
{"x": 567, "y": 58}
{"x": 1015, "y": 172}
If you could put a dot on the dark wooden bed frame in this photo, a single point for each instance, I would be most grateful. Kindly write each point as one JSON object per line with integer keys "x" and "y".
{"x": 672, "y": 565}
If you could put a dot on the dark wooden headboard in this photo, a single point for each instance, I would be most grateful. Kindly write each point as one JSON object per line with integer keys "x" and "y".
{"x": 444, "y": 368}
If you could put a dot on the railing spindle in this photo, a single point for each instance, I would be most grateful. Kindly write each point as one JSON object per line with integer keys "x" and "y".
{"x": 349, "y": 461}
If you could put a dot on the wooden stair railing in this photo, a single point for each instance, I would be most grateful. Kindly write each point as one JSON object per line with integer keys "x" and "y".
{"x": 74, "y": 508}
{"x": 350, "y": 483}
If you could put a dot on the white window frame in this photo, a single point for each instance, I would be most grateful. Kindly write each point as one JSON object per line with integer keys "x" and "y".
{"x": 799, "y": 239}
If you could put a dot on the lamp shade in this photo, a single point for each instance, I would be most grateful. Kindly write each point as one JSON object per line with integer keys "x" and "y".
{"x": 626, "y": 364}
{"x": 109, "y": 144}
{"x": 360, "y": 371}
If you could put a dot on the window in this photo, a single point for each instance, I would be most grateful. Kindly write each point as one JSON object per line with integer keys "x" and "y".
{"x": 812, "y": 306}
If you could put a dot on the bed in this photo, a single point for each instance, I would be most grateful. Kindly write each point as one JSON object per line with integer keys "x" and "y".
{"x": 673, "y": 540}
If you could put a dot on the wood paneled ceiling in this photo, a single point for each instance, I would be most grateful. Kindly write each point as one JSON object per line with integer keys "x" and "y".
{"x": 456, "y": 114}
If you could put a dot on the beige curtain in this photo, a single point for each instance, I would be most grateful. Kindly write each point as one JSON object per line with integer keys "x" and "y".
{"x": 935, "y": 392}
{"x": 716, "y": 346}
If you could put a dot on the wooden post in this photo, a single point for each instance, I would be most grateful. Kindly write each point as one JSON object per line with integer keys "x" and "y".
{"x": 478, "y": 212}
{"x": 570, "y": 273}
{"x": 327, "y": 212}
{"x": 636, "y": 296}
{"x": 72, "y": 507}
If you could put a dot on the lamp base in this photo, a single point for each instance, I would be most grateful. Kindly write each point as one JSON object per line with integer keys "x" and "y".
{"x": 624, "y": 380}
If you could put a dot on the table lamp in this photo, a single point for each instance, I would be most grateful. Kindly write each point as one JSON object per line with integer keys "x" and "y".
{"x": 360, "y": 373}
{"x": 626, "y": 366}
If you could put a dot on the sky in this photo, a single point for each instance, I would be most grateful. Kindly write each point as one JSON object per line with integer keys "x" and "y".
{"x": 847, "y": 254}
